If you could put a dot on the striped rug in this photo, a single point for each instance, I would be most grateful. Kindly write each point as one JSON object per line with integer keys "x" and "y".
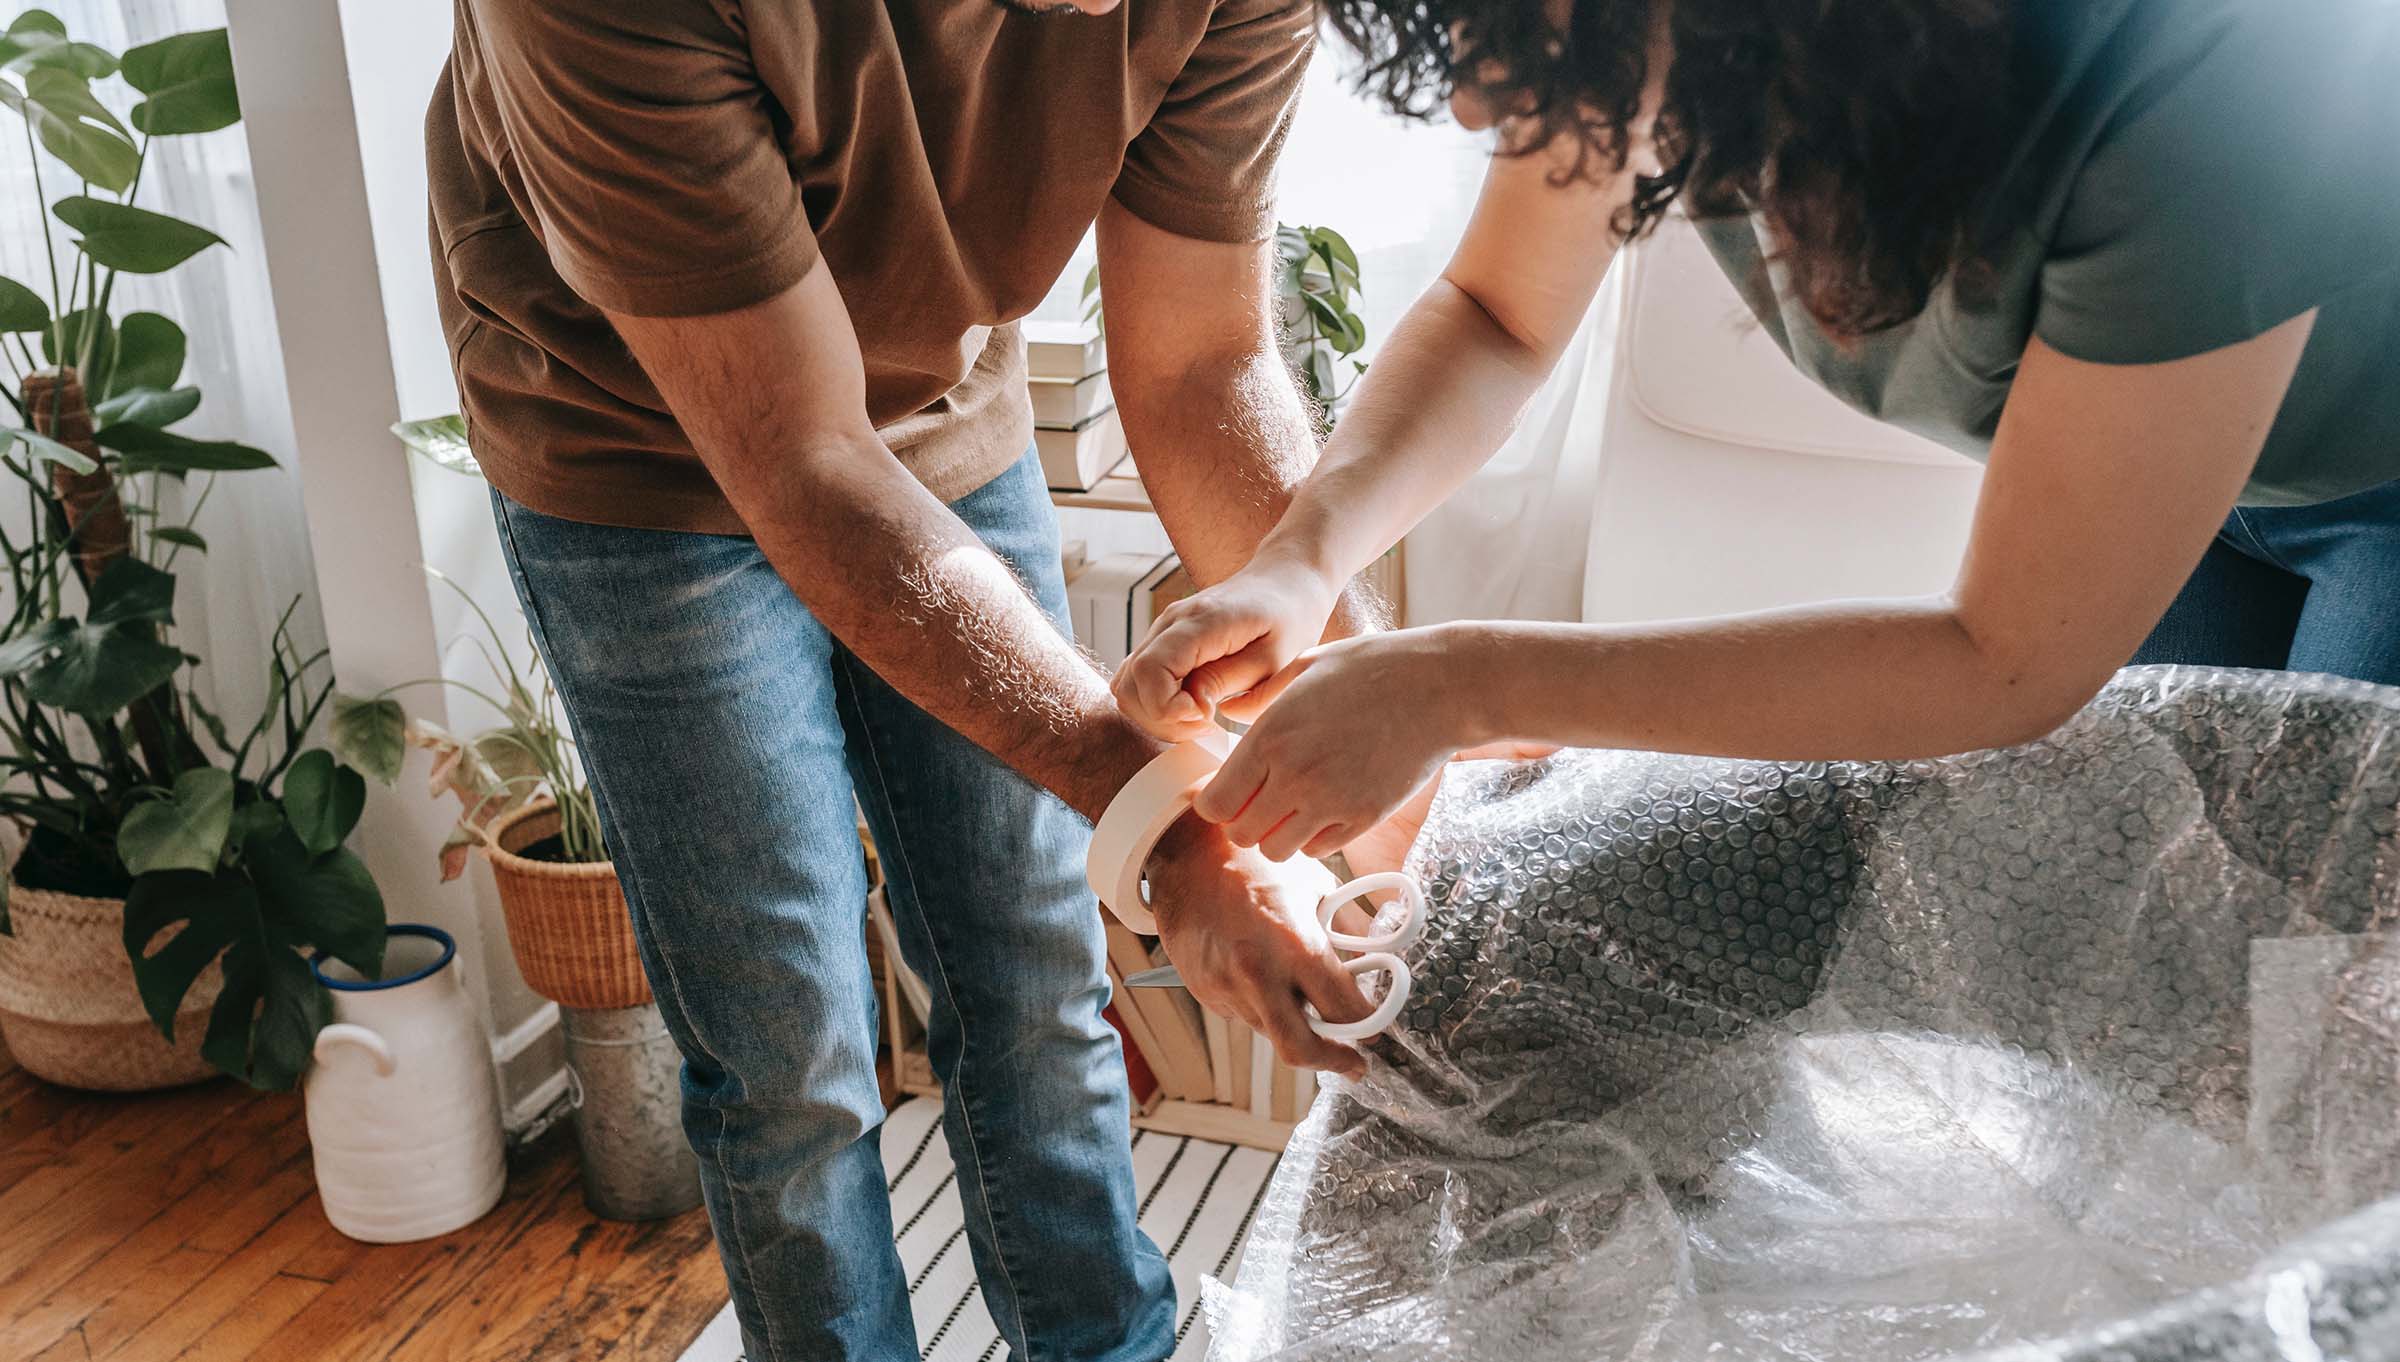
{"x": 1197, "y": 1199}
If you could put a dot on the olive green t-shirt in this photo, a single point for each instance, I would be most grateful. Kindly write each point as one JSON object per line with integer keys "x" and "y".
{"x": 942, "y": 157}
{"x": 2195, "y": 172}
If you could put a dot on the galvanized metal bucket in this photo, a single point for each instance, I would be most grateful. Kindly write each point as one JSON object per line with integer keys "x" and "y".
{"x": 627, "y": 1090}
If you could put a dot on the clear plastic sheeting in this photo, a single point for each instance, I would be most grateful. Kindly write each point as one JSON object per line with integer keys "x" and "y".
{"x": 2086, "y": 1049}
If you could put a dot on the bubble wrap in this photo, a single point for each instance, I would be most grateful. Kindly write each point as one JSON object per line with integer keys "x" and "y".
{"x": 2088, "y": 1049}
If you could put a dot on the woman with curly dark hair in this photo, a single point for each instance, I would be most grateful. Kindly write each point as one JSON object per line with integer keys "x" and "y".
{"x": 2141, "y": 257}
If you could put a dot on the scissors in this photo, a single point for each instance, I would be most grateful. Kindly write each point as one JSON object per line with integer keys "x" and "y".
{"x": 1380, "y": 954}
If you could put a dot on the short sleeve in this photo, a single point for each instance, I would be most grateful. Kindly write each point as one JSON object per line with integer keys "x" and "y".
{"x": 1204, "y": 167}
{"x": 2243, "y": 178}
{"x": 649, "y": 152}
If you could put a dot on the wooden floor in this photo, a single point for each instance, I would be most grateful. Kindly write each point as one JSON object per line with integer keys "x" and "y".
{"x": 184, "y": 1225}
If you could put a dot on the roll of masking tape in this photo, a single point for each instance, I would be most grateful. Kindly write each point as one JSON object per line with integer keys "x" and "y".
{"x": 1129, "y": 828}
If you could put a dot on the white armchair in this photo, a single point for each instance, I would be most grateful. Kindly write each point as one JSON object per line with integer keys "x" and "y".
{"x": 1728, "y": 481}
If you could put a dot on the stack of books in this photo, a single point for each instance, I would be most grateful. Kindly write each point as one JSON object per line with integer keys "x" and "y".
{"x": 1075, "y": 422}
{"x": 1191, "y": 1054}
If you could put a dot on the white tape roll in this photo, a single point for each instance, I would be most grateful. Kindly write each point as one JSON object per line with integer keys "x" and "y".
{"x": 1141, "y": 813}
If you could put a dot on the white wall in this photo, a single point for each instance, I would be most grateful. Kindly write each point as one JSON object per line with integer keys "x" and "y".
{"x": 332, "y": 101}
{"x": 396, "y": 50}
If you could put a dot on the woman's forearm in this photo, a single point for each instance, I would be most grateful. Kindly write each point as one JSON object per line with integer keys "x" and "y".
{"x": 1444, "y": 392}
{"x": 1854, "y": 679}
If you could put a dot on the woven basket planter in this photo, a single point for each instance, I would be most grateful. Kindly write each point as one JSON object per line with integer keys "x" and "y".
{"x": 567, "y": 923}
{"x": 69, "y": 1011}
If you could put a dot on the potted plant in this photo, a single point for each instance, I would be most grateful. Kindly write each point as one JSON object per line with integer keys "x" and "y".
{"x": 523, "y": 799}
{"x": 1316, "y": 294}
{"x": 173, "y": 867}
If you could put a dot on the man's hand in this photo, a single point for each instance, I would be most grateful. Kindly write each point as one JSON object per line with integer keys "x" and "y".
{"x": 1243, "y": 930}
{"x": 1209, "y": 651}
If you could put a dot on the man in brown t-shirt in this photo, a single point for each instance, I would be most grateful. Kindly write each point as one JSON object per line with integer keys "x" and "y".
{"x": 730, "y": 289}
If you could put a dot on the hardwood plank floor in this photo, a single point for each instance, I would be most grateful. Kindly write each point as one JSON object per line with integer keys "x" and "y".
{"x": 184, "y": 1227}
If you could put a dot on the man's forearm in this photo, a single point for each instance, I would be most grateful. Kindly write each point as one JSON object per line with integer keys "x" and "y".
{"x": 908, "y": 588}
{"x": 1223, "y": 448}
{"x": 774, "y": 399}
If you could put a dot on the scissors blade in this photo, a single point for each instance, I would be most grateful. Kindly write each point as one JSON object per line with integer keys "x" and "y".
{"x": 1165, "y": 976}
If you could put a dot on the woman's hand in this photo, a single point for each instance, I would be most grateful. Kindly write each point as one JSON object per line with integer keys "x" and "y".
{"x": 1354, "y": 728}
{"x": 1210, "y": 650}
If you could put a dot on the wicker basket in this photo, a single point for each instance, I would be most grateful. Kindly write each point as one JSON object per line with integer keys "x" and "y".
{"x": 567, "y": 923}
{"x": 69, "y": 1010}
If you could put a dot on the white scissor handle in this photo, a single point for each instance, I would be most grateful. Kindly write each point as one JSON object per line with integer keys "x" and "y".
{"x": 1382, "y": 951}
{"x": 1395, "y": 997}
{"x": 1400, "y": 938}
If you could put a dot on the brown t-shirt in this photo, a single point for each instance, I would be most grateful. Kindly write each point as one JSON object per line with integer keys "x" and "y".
{"x": 683, "y": 157}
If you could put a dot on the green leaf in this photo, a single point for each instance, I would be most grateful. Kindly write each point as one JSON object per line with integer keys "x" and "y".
{"x": 189, "y": 78}
{"x": 37, "y": 38}
{"x": 441, "y": 440}
{"x": 186, "y": 831}
{"x": 369, "y": 734}
{"x": 177, "y": 534}
{"x": 258, "y": 918}
{"x": 150, "y": 352}
{"x": 21, "y": 309}
{"x": 37, "y": 21}
{"x": 213, "y": 912}
{"x": 327, "y": 900}
{"x": 152, "y": 407}
{"x": 75, "y": 127}
{"x": 264, "y": 1025}
{"x": 32, "y": 646}
{"x": 256, "y": 819}
{"x": 1320, "y": 375}
{"x": 145, "y": 449}
{"x": 323, "y": 800}
{"x": 101, "y": 668}
{"x": 131, "y": 239}
{"x": 132, "y": 590}
{"x": 43, "y": 449}
{"x": 75, "y": 325}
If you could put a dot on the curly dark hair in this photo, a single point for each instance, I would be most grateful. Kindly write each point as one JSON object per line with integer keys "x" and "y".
{"x": 1867, "y": 134}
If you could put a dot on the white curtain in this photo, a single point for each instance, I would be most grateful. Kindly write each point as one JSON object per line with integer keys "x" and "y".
{"x": 258, "y": 560}
{"x": 1511, "y": 543}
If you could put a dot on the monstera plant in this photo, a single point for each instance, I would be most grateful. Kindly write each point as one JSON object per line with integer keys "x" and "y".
{"x": 224, "y": 841}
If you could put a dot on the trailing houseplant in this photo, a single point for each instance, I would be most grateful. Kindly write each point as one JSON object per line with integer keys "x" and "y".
{"x": 224, "y": 843}
{"x": 524, "y": 801}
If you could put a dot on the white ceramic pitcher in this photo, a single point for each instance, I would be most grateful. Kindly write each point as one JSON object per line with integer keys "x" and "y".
{"x": 403, "y": 1106}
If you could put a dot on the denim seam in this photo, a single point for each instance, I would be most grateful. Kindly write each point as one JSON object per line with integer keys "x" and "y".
{"x": 2259, "y": 547}
{"x": 1016, "y": 1297}
{"x": 541, "y": 637}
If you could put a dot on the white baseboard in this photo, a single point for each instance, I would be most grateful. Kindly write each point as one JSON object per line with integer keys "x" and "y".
{"x": 527, "y": 1111}
{"x": 530, "y": 1058}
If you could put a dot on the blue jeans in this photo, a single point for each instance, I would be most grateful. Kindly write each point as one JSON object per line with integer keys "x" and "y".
{"x": 726, "y": 735}
{"x": 2295, "y": 588}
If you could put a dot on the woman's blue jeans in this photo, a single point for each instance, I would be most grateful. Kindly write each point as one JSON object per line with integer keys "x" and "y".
{"x": 2297, "y": 588}
{"x": 727, "y": 734}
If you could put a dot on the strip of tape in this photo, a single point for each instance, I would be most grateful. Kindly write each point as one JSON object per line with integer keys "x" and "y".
{"x": 1129, "y": 828}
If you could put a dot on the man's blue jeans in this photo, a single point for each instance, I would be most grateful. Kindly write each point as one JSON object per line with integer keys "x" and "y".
{"x": 2297, "y": 588}
{"x": 726, "y": 734}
